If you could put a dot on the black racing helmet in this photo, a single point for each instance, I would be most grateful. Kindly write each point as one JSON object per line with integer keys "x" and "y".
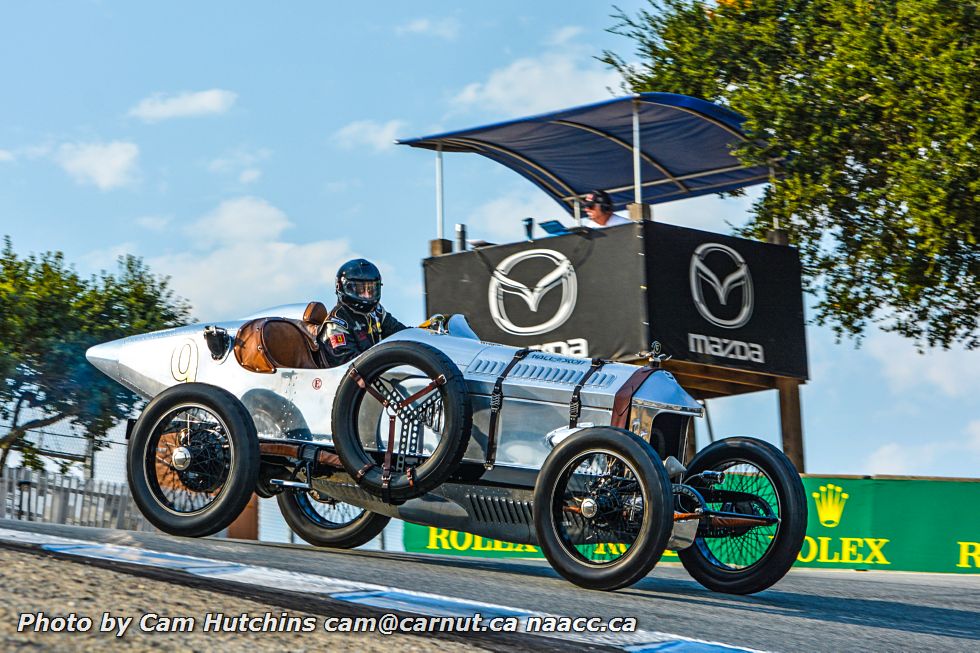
{"x": 359, "y": 285}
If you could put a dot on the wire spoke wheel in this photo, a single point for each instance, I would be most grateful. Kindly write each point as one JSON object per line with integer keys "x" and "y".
{"x": 188, "y": 459}
{"x": 602, "y": 508}
{"x": 193, "y": 459}
{"x": 739, "y": 552}
{"x": 741, "y": 547}
{"x": 327, "y": 512}
{"x": 598, "y": 507}
{"x": 324, "y": 521}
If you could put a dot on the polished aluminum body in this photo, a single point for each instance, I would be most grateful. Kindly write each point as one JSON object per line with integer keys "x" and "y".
{"x": 297, "y": 404}
{"x": 293, "y": 402}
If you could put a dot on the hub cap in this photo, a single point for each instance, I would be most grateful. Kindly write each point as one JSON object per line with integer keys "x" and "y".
{"x": 589, "y": 508}
{"x": 181, "y": 458}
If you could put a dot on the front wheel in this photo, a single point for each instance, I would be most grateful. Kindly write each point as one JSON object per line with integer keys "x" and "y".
{"x": 193, "y": 460}
{"x": 323, "y": 521}
{"x": 603, "y": 508}
{"x": 746, "y": 555}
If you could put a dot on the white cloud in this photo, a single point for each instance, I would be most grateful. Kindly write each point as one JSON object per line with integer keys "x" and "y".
{"x": 709, "y": 212}
{"x": 106, "y": 165}
{"x": 444, "y": 28}
{"x": 378, "y": 136}
{"x": 896, "y": 459}
{"x": 241, "y": 220}
{"x": 241, "y": 162}
{"x": 238, "y": 159}
{"x": 955, "y": 373}
{"x": 249, "y": 175}
{"x": 564, "y": 35}
{"x": 6, "y": 156}
{"x": 342, "y": 185}
{"x": 153, "y": 222}
{"x": 106, "y": 258}
{"x": 957, "y": 457}
{"x": 554, "y": 80}
{"x": 37, "y": 151}
{"x": 973, "y": 436}
{"x": 246, "y": 264}
{"x": 499, "y": 220}
{"x": 182, "y": 105}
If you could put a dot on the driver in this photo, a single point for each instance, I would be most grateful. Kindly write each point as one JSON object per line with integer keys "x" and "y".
{"x": 358, "y": 321}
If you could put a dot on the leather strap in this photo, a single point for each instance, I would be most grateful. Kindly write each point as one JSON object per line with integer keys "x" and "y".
{"x": 327, "y": 459}
{"x": 575, "y": 405}
{"x": 496, "y": 403}
{"x": 362, "y": 471}
{"x": 621, "y": 404}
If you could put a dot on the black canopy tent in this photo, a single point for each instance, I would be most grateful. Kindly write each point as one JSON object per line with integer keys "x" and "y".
{"x": 642, "y": 149}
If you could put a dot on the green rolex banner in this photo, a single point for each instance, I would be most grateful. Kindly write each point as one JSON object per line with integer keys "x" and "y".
{"x": 899, "y": 524}
{"x": 892, "y": 523}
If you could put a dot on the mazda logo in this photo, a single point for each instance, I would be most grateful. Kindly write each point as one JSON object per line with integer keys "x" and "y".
{"x": 707, "y": 275}
{"x": 561, "y": 274}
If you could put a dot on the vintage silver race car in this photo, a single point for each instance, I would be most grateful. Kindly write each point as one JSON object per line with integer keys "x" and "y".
{"x": 435, "y": 427}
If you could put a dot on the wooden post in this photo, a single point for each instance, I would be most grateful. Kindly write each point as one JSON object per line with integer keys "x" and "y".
{"x": 246, "y": 527}
{"x": 791, "y": 420}
{"x": 777, "y": 237}
{"x": 639, "y": 212}
{"x": 440, "y": 246}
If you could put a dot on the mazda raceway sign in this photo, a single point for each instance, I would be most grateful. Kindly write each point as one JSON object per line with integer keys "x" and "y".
{"x": 707, "y": 298}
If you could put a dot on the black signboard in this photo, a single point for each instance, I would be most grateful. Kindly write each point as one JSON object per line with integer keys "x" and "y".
{"x": 705, "y": 297}
{"x": 578, "y": 294}
{"x": 726, "y": 301}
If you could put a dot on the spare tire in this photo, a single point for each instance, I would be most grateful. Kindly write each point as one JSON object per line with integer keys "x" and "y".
{"x": 425, "y": 415}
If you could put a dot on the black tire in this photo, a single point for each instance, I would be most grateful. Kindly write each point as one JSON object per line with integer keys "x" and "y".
{"x": 222, "y": 465}
{"x": 351, "y": 428}
{"x": 750, "y": 561}
{"x": 300, "y": 510}
{"x": 563, "y": 533}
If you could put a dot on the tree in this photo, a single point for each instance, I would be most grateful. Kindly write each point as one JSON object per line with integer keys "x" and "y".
{"x": 872, "y": 110}
{"x": 49, "y": 316}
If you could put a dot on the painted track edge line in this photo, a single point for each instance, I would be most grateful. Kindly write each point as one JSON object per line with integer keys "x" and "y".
{"x": 365, "y": 594}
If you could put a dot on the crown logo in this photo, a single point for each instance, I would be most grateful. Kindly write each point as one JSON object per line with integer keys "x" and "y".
{"x": 830, "y": 502}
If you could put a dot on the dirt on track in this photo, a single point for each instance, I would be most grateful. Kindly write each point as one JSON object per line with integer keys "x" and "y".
{"x": 31, "y": 583}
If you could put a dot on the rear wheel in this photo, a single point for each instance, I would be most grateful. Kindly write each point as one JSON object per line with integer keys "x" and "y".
{"x": 602, "y": 508}
{"x": 193, "y": 460}
{"x": 323, "y": 521}
{"x": 761, "y": 482}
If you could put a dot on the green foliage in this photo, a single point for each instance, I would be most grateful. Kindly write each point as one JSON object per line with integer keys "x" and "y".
{"x": 49, "y": 317}
{"x": 872, "y": 110}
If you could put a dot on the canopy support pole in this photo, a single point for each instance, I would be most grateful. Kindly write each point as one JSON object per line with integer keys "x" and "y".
{"x": 440, "y": 212}
{"x": 637, "y": 182}
{"x": 638, "y": 211}
{"x": 440, "y": 245}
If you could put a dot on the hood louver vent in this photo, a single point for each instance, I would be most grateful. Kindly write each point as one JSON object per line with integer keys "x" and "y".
{"x": 540, "y": 372}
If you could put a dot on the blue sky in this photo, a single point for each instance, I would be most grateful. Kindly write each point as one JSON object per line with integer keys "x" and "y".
{"x": 244, "y": 149}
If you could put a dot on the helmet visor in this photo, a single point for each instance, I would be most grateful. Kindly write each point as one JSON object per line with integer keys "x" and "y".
{"x": 366, "y": 290}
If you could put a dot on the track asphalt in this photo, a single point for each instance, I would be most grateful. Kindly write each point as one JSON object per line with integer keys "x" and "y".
{"x": 811, "y": 610}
